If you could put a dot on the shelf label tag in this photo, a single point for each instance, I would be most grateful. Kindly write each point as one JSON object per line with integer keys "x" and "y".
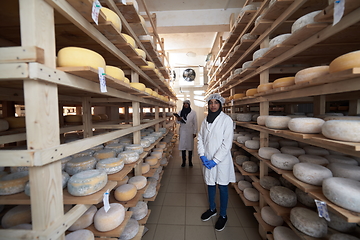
{"x": 339, "y": 7}
{"x": 123, "y": 2}
{"x": 322, "y": 209}
{"x": 232, "y": 102}
{"x": 234, "y": 125}
{"x": 95, "y": 11}
{"x": 102, "y": 80}
{"x": 106, "y": 201}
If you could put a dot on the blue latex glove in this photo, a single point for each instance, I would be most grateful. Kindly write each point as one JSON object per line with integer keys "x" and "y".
{"x": 204, "y": 160}
{"x": 210, "y": 164}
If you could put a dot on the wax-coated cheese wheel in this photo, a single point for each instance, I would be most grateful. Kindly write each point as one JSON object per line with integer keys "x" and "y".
{"x": 308, "y": 74}
{"x": 73, "y": 118}
{"x": 270, "y": 217}
{"x": 149, "y": 91}
{"x": 277, "y": 122}
{"x": 138, "y": 86}
{"x": 107, "y": 221}
{"x": 264, "y": 87}
{"x": 283, "y": 82}
{"x": 85, "y": 220}
{"x": 251, "y": 92}
{"x": 346, "y": 61}
{"x": 278, "y": 39}
{"x": 238, "y": 96}
{"x": 13, "y": 183}
{"x": 284, "y": 233}
{"x": 17, "y": 215}
{"x": 130, "y": 230}
{"x": 129, "y": 156}
{"x": 307, "y": 221}
{"x": 303, "y": 21}
{"x": 283, "y": 196}
{"x": 310, "y": 173}
{"x": 138, "y": 181}
{"x": 4, "y": 125}
{"x": 115, "y": 72}
{"x": 80, "y": 164}
{"x": 82, "y": 234}
{"x": 16, "y": 122}
{"x": 112, "y": 17}
{"x": 125, "y": 192}
{"x": 79, "y": 57}
{"x": 306, "y": 125}
{"x": 343, "y": 130}
{"x": 149, "y": 66}
{"x": 141, "y": 52}
{"x": 129, "y": 40}
{"x": 110, "y": 165}
{"x": 87, "y": 182}
{"x": 284, "y": 161}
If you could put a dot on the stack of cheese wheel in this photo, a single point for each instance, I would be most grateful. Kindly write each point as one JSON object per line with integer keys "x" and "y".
{"x": 112, "y": 17}
{"x": 149, "y": 66}
{"x": 138, "y": 86}
{"x": 13, "y": 183}
{"x": 4, "y": 125}
{"x": 85, "y": 220}
{"x": 107, "y": 221}
{"x": 344, "y": 62}
{"x": 18, "y": 215}
{"x": 115, "y": 72}
{"x": 73, "y": 118}
{"x": 283, "y": 82}
{"x": 87, "y": 182}
{"x": 129, "y": 40}
{"x": 264, "y": 87}
{"x": 251, "y": 92}
{"x": 308, "y": 74}
{"x": 83, "y": 234}
{"x": 125, "y": 192}
{"x": 129, "y": 156}
{"x": 110, "y": 165}
{"x": 79, "y": 57}
{"x": 303, "y": 21}
{"x": 104, "y": 153}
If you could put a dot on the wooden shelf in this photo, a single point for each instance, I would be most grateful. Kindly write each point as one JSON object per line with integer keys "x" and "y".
{"x": 128, "y": 10}
{"x": 327, "y": 14}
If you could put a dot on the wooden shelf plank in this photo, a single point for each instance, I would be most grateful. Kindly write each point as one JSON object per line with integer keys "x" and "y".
{"x": 304, "y": 33}
{"x": 111, "y": 32}
{"x": 85, "y": 9}
{"x": 328, "y": 13}
{"x": 246, "y": 16}
{"x": 276, "y": 9}
{"x": 128, "y": 11}
{"x": 139, "y": 29}
{"x": 261, "y": 26}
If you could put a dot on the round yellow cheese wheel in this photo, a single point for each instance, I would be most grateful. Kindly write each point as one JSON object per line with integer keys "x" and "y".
{"x": 73, "y": 118}
{"x": 125, "y": 192}
{"x": 231, "y": 98}
{"x": 115, "y": 72}
{"x": 141, "y": 53}
{"x": 145, "y": 167}
{"x": 284, "y": 82}
{"x": 104, "y": 153}
{"x": 129, "y": 40}
{"x": 251, "y": 92}
{"x": 95, "y": 117}
{"x": 346, "y": 61}
{"x": 150, "y": 66}
{"x": 16, "y": 122}
{"x": 308, "y": 74}
{"x": 239, "y": 95}
{"x": 148, "y": 90}
{"x": 139, "y": 86}
{"x": 264, "y": 87}
{"x": 79, "y": 57}
{"x": 155, "y": 94}
{"x": 152, "y": 160}
{"x": 142, "y": 20}
{"x": 126, "y": 80}
{"x": 104, "y": 116}
{"x": 111, "y": 16}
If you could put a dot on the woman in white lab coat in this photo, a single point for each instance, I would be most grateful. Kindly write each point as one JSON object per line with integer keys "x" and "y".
{"x": 187, "y": 132}
{"x": 214, "y": 148}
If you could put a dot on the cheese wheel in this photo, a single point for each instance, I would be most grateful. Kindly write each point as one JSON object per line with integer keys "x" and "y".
{"x": 316, "y": 150}
{"x": 338, "y": 223}
{"x": 13, "y": 183}
{"x": 163, "y": 161}
{"x": 139, "y": 211}
{"x": 145, "y": 143}
{"x": 306, "y": 125}
{"x": 73, "y": 118}
{"x": 134, "y": 147}
{"x": 138, "y": 86}
{"x": 310, "y": 173}
{"x": 243, "y": 139}
{"x": 342, "y": 130}
{"x": 236, "y": 72}
{"x": 304, "y": 198}
{"x": 269, "y": 216}
{"x": 150, "y": 190}
{"x": 251, "y": 194}
{"x": 308, "y": 158}
{"x": 266, "y": 152}
{"x": 264, "y": 87}
{"x": 283, "y": 196}
{"x": 129, "y": 156}
{"x": 342, "y": 236}
{"x": 344, "y": 170}
{"x": 125, "y": 192}
{"x": 149, "y": 66}
{"x": 308, "y": 74}
{"x": 18, "y": 169}
{"x": 341, "y": 118}
{"x": 344, "y": 62}
{"x": 268, "y": 182}
{"x": 252, "y": 144}
{"x": 242, "y": 184}
{"x": 145, "y": 167}
{"x": 284, "y": 161}
{"x": 287, "y": 142}
{"x": 4, "y": 125}
{"x": 85, "y": 220}
{"x": 115, "y": 72}
{"x": 107, "y": 221}
{"x": 95, "y": 118}
{"x": 247, "y": 65}
{"x": 87, "y": 182}
{"x": 286, "y": 183}
{"x": 149, "y": 91}
{"x": 16, "y": 122}
{"x": 307, "y": 221}
{"x": 138, "y": 181}
{"x": 261, "y": 120}
{"x": 283, "y": 82}
{"x": 274, "y": 144}
{"x": 259, "y": 53}
{"x": 240, "y": 159}
{"x": 251, "y": 92}
{"x": 248, "y": 36}
{"x": 277, "y": 122}
{"x": 278, "y": 39}
{"x": 82, "y": 234}
{"x": 129, "y": 40}
{"x": 284, "y": 233}
{"x": 156, "y": 154}
{"x": 158, "y": 150}
{"x": 110, "y": 165}
{"x": 131, "y": 229}
{"x": 117, "y": 147}
{"x": 79, "y": 57}
{"x": 151, "y": 160}
{"x": 295, "y": 151}
{"x": 126, "y": 80}
{"x": 243, "y": 117}
{"x": 341, "y": 159}
{"x": 112, "y": 17}
{"x": 104, "y": 153}
{"x": 250, "y": 167}
{"x": 17, "y": 215}
{"x": 303, "y": 21}
{"x": 238, "y": 96}
{"x": 80, "y": 164}
{"x": 141, "y": 53}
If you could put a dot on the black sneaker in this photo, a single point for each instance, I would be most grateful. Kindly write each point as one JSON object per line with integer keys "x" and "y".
{"x": 208, "y": 214}
{"x": 190, "y": 164}
{"x": 220, "y": 223}
{"x": 183, "y": 165}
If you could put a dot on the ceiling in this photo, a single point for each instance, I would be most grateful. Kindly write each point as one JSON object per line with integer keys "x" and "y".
{"x": 189, "y": 27}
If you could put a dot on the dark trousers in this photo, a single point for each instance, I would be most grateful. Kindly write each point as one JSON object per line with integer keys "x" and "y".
{"x": 183, "y": 153}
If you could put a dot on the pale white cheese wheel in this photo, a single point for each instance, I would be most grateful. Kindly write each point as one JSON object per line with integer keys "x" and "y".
{"x": 151, "y": 190}
{"x": 269, "y": 216}
{"x": 295, "y": 151}
{"x": 268, "y": 182}
{"x": 87, "y": 182}
{"x": 85, "y": 220}
{"x": 87, "y": 152}
{"x": 138, "y": 181}
{"x": 80, "y": 164}
{"x": 237, "y": 71}
{"x": 308, "y": 74}
{"x": 131, "y": 229}
{"x": 134, "y": 147}
{"x": 303, "y": 21}
{"x": 243, "y": 139}
{"x": 252, "y": 144}
{"x": 247, "y": 65}
{"x": 304, "y": 198}
{"x": 306, "y": 125}
{"x": 287, "y": 142}
{"x": 82, "y": 234}
{"x": 308, "y": 222}
{"x": 310, "y": 173}
{"x": 283, "y": 196}
{"x": 248, "y": 36}
{"x": 240, "y": 159}
{"x": 342, "y": 236}
{"x": 277, "y": 122}
{"x": 156, "y": 154}
{"x": 139, "y": 211}
{"x": 251, "y": 194}
{"x": 117, "y": 147}
{"x": 308, "y": 158}
{"x": 110, "y": 165}
{"x": 284, "y": 233}
{"x": 107, "y": 221}
{"x": 17, "y": 215}
{"x": 338, "y": 223}
{"x": 104, "y": 153}
{"x": 312, "y": 150}
{"x": 345, "y": 170}
{"x": 284, "y": 161}
{"x": 242, "y": 184}
{"x": 346, "y": 61}
{"x": 261, "y": 120}
{"x": 341, "y": 159}
{"x": 145, "y": 143}
{"x": 125, "y": 192}
{"x": 342, "y": 118}
{"x": 4, "y": 125}
{"x": 266, "y": 152}
{"x": 259, "y": 53}
{"x": 13, "y": 183}
{"x": 129, "y": 156}
{"x": 342, "y": 130}
{"x": 250, "y": 167}
{"x": 243, "y": 117}
{"x": 278, "y": 39}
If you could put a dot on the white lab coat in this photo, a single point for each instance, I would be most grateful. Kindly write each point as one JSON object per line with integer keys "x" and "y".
{"x": 215, "y": 142}
{"x": 187, "y": 130}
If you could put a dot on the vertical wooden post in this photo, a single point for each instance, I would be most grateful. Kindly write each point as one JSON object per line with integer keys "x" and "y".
{"x": 232, "y": 108}
{"x": 87, "y": 117}
{"x": 319, "y": 105}
{"x": 42, "y": 116}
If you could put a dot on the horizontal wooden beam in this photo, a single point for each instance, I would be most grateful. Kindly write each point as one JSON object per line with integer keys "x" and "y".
{"x": 21, "y": 54}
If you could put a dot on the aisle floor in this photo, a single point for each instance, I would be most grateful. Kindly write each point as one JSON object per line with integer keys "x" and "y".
{"x": 182, "y": 198}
